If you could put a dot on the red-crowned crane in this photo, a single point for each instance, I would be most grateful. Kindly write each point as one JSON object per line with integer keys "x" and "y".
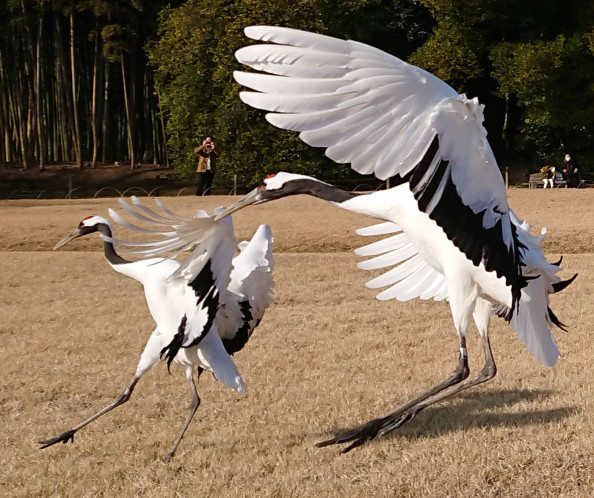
{"x": 459, "y": 238}
{"x": 205, "y": 309}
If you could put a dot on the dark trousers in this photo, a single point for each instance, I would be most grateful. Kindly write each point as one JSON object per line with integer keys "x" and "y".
{"x": 573, "y": 179}
{"x": 204, "y": 183}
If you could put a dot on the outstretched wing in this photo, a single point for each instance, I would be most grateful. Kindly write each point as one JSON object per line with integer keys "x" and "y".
{"x": 176, "y": 233}
{"x": 392, "y": 119}
{"x": 411, "y": 276}
{"x": 251, "y": 276}
{"x": 251, "y": 286}
{"x": 173, "y": 234}
{"x": 204, "y": 273}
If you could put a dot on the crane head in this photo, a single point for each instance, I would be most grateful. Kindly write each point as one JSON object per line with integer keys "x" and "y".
{"x": 88, "y": 225}
{"x": 273, "y": 187}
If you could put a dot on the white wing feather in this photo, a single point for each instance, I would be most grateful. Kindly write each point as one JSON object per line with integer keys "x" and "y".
{"x": 374, "y": 111}
{"x": 208, "y": 240}
{"x": 252, "y": 270}
{"x": 251, "y": 281}
{"x": 410, "y": 277}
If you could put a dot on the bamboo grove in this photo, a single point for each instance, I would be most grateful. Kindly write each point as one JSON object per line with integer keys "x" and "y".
{"x": 75, "y": 85}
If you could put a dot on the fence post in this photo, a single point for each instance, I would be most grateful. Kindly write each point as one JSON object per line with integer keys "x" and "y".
{"x": 506, "y": 177}
{"x": 234, "y": 184}
{"x": 70, "y": 186}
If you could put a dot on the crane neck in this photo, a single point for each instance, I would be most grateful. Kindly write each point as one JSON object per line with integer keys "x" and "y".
{"x": 110, "y": 253}
{"x": 318, "y": 189}
{"x": 378, "y": 204}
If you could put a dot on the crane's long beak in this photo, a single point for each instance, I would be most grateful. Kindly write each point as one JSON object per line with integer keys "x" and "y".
{"x": 251, "y": 198}
{"x": 67, "y": 239}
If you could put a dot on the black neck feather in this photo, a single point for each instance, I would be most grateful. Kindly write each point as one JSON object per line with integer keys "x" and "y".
{"x": 110, "y": 254}
{"x": 315, "y": 188}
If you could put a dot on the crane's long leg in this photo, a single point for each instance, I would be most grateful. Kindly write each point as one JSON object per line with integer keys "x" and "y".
{"x": 148, "y": 359}
{"x": 191, "y": 411}
{"x": 365, "y": 432}
{"x": 481, "y": 315}
{"x": 69, "y": 434}
{"x": 449, "y": 387}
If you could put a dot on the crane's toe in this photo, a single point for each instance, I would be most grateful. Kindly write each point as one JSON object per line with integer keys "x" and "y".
{"x": 357, "y": 436}
{"x": 366, "y": 432}
{"x": 63, "y": 438}
{"x": 395, "y": 422}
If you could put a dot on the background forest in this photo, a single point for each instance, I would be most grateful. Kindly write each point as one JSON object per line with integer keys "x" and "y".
{"x": 96, "y": 81}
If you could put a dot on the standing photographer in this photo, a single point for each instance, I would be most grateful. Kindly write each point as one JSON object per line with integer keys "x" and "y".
{"x": 207, "y": 160}
{"x": 570, "y": 171}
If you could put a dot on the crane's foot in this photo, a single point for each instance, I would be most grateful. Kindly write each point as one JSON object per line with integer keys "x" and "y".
{"x": 62, "y": 438}
{"x": 366, "y": 432}
{"x": 356, "y": 436}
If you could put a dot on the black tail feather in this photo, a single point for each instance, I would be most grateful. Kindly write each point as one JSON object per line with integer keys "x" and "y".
{"x": 558, "y": 263}
{"x": 556, "y": 321}
{"x": 559, "y": 286}
{"x": 171, "y": 350}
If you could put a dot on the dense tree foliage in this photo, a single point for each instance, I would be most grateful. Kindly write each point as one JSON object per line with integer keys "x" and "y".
{"x": 530, "y": 62}
{"x": 194, "y": 61}
{"x": 100, "y": 80}
{"x": 535, "y": 56}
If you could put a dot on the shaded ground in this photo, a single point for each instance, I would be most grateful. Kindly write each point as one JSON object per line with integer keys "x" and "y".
{"x": 57, "y": 180}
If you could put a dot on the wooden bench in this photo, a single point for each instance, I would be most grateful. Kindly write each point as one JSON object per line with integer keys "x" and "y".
{"x": 536, "y": 181}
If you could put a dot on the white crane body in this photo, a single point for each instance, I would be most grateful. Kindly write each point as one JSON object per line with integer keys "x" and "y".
{"x": 167, "y": 302}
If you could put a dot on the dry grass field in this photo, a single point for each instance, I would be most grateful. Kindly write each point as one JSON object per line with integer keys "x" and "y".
{"x": 326, "y": 357}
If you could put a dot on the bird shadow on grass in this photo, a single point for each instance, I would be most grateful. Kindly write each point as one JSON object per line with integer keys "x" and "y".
{"x": 476, "y": 409}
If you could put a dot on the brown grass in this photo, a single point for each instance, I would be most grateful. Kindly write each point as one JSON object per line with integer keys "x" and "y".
{"x": 326, "y": 356}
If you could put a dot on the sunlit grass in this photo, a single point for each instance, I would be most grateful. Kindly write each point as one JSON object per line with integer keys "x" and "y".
{"x": 327, "y": 356}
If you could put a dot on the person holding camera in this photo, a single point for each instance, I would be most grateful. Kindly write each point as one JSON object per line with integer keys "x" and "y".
{"x": 207, "y": 160}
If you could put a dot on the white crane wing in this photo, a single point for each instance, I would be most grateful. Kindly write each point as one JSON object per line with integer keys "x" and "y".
{"x": 173, "y": 234}
{"x": 204, "y": 273}
{"x": 250, "y": 289}
{"x": 392, "y": 119}
{"x": 252, "y": 271}
{"x": 410, "y": 277}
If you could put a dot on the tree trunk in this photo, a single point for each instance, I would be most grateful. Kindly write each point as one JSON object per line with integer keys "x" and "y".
{"x": 5, "y": 137}
{"x": 95, "y": 145}
{"x": 23, "y": 88}
{"x": 42, "y": 153}
{"x": 163, "y": 130}
{"x": 106, "y": 131}
{"x": 128, "y": 114}
{"x": 3, "y": 127}
{"x": 504, "y": 129}
{"x": 20, "y": 117}
{"x": 77, "y": 141}
{"x": 64, "y": 104}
